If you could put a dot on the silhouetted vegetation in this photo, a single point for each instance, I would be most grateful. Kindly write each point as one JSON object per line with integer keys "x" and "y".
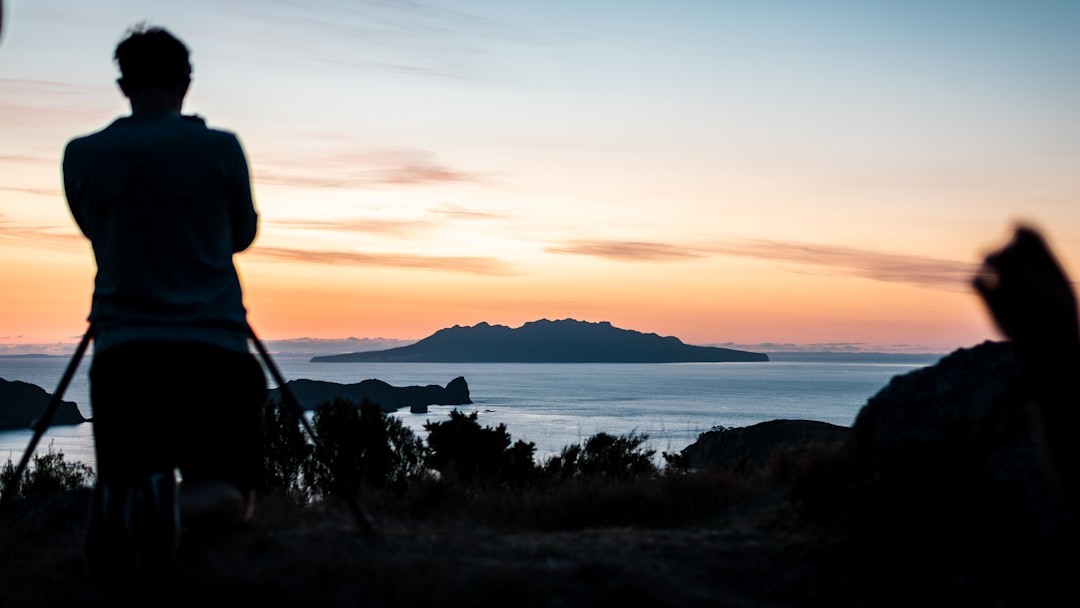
{"x": 466, "y": 470}
{"x": 48, "y": 473}
{"x": 604, "y": 456}
{"x": 285, "y": 451}
{"x": 463, "y": 451}
{"x": 369, "y": 447}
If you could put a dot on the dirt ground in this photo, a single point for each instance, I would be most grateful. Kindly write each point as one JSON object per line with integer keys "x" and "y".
{"x": 751, "y": 556}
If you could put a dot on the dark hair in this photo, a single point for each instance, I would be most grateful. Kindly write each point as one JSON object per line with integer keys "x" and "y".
{"x": 152, "y": 58}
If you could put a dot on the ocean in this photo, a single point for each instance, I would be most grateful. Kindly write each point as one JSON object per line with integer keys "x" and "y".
{"x": 553, "y": 405}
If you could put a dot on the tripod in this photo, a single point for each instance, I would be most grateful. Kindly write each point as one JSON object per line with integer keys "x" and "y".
{"x": 42, "y": 424}
{"x": 344, "y": 490}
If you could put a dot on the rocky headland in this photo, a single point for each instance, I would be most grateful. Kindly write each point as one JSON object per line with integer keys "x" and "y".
{"x": 544, "y": 341}
{"x": 312, "y": 393}
{"x": 22, "y": 404}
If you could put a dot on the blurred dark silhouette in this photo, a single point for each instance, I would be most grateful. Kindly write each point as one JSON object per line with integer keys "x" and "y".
{"x": 1033, "y": 304}
{"x": 175, "y": 392}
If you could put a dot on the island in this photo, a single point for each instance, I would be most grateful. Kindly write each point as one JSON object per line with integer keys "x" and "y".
{"x": 544, "y": 341}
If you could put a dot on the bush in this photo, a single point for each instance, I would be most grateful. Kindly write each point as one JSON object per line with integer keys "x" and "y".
{"x": 360, "y": 443}
{"x": 365, "y": 445}
{"x": 461, "y": 450}
{"x": 48, "y": 473}
{"x": 616, "y": 458}
{"x": 285, "y": 451}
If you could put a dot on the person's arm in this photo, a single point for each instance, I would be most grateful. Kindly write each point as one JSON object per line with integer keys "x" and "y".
{"x": 244, "y": 218}
{"x": 74, "y": 192}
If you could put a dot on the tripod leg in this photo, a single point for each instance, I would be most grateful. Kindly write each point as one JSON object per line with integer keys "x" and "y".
{"x": 346, "y": 492}
{"x": 42, "y": 424}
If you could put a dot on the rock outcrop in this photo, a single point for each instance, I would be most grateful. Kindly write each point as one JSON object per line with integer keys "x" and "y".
{"x": 956, "y": 439}
{"x": 544, "y": 341}
{"x": 736, "y": 448}
{"x": 312, "y": 393}
{"x": 22, "y": 404}
{"x": 944, "y": 462}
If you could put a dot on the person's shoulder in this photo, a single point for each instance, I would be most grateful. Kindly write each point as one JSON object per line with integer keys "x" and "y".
{"x": 89, "y": 140}
{"x": 223, "y": 138}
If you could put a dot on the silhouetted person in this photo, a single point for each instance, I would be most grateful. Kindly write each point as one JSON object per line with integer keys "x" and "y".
{"x": 165, "y": 202}
{"x": 1033, "y": 304}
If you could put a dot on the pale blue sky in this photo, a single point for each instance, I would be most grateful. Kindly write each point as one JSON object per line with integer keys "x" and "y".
{"x": 576, "y": 146}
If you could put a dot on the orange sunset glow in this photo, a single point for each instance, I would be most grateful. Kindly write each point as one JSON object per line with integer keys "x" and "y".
{"x": 754, "y": 174}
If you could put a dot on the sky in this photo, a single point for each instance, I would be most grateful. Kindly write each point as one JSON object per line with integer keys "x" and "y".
{"x": 778, "y": 174}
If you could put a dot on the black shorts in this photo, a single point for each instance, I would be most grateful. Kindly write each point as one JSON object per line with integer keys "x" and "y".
{"x": 160, "y": 405}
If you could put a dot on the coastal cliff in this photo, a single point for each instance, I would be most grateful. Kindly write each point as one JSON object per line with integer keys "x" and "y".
{"x": 544, "y": 341}
{"x": 22, "y": 403}
{"x": 311, "y": 393}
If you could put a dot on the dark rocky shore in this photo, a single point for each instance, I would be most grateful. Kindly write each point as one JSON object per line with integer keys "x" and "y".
{"x": 310, "y": 393}
{"x": 937, "y": 494}
{"x": 22, "y": 403}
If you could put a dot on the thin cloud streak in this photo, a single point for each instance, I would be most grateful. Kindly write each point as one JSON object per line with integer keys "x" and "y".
{"x": 364, "y": 170}
{"x": 28, "y": 102}
{"x": 50, "y": 236}
{"x": 411, "y": 38}
{"x": 397, "y": 228}
{"x": 876, "y": 265}
{"x": 627, "y": 251}
{"x": 462, "y": 264}
{"x": 433, "y": 219}
{"x": 53, "y": 192}
{"x": 22, "y": 158}
{"x": 459, "y": 212}
{"x": 879, "y": 266}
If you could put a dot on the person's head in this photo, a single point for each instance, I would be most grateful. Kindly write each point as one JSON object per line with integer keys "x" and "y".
{"x": 152, "y": 62}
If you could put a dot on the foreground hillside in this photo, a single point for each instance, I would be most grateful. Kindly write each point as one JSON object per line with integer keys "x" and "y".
{"x": 754, "y": 550}
{"x": 938, "y": 492}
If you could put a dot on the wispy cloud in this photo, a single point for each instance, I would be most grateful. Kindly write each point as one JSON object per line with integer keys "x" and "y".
{"x": 23, "y": 158}
{"x": 463, "y": 264}
{"x": 361, "y": 169}
{"x": 426, "y": 221}
{"x": 865, "y": 263}
{"x": 627, "y": 251}
{"x": 402, "y": 37}
{"x": 384, "y": 227}
{"x": 875, "y": 265}
{"x": 459, "y": 212}
{"x": 35, "y": 102}
{"x": 49, "y": 236}
{"x": 54, "y": 192}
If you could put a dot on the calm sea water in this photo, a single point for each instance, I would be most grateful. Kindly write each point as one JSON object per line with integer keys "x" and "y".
{"x": 554, "y": 405}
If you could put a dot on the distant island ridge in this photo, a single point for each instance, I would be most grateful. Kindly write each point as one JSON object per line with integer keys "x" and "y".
{"x": 545, "y": 341}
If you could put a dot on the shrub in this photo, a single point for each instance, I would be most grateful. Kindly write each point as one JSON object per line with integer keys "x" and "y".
{"x": 285, "y": 451}
{"x": 48, "y": 473}
{"x": 365, "y": 445}
{"x": 605, "y": 456}
{"x": 460, "y": 449}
